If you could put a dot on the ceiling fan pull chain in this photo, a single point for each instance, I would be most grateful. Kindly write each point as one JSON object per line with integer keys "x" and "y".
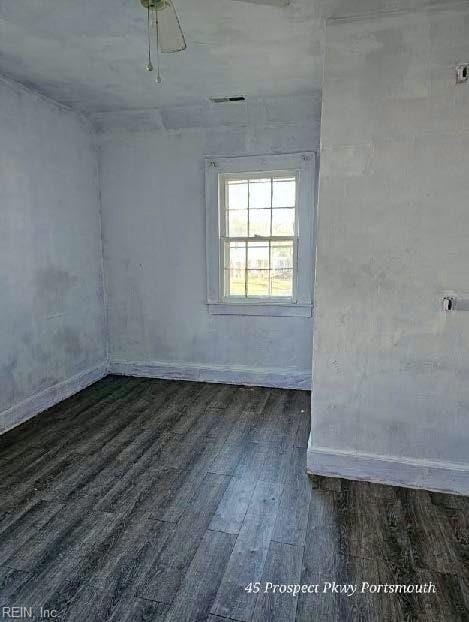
{"x": 162, "y": 15}
{"x": 158, "y": 76}
{"x": 149, "y": 64}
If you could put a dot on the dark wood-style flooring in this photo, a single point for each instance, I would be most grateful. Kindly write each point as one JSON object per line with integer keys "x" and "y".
{"x": 143, "y": 499}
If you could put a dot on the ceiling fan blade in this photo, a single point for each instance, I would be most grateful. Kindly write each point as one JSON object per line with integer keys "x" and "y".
{"x": 171, "y": 37}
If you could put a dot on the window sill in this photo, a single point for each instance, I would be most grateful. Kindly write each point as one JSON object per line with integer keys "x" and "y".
{"x": 266, "y": 309}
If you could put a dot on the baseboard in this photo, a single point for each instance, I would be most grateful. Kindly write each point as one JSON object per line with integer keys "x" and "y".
{"x": 49, "y": 397}
{"x": 429, "y": 475}
{"x": 279, "y": 378}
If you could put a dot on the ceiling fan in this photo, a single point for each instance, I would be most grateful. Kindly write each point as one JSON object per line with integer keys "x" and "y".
{"x": 164, "y": 28}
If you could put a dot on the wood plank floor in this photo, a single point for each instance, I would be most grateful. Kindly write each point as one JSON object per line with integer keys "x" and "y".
{"x": 143, "y": 499}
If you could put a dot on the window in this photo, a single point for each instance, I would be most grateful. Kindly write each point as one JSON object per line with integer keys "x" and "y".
{"x": 259, "y": 234}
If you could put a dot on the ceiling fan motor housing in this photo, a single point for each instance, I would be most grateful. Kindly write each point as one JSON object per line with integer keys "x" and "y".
{"x": 154, "y": 5}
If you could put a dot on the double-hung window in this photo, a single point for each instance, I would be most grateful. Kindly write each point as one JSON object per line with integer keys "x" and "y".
{"x": 260, "y": 217}
{"x": 258, "y": 221}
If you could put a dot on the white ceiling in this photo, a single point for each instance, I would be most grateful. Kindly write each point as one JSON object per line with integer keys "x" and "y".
{"x": 91, "y": 54}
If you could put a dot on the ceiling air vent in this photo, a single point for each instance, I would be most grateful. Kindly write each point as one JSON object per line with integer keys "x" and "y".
{"x": 227, "y": 100}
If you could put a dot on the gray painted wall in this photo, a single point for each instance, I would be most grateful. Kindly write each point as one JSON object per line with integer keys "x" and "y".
{"x": 154, "y": 246}
{"x": 51, "y": 313}
{"x": 390, "y": 368}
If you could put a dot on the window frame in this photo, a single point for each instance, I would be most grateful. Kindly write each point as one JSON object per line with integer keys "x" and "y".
{"x": 217, "y": 171}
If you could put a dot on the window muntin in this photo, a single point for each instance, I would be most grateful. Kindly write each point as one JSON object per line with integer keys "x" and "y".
{"x": 258, "y": 235}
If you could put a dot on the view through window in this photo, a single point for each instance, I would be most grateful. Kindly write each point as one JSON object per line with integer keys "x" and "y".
{"x": 259, "y": 243}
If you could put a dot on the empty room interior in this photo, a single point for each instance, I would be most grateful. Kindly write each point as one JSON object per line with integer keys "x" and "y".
{"x": 234, "y": 310}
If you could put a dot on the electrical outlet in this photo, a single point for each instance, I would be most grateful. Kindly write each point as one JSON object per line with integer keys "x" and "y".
{"x": 448, "y": 303}
{"x": 462, "y": 73}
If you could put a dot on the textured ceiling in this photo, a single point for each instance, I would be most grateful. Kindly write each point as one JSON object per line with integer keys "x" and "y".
{"x": 91, "y": 54}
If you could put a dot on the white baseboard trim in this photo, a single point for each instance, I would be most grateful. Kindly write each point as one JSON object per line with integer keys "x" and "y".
{"x": 282, "y": 379}
{"x": 49, "y": 397}
{"x": 391, "y": 470}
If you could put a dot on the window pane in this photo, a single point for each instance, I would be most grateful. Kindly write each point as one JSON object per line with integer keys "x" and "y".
{"x": 281, "y": 255}
{"x": 235, "y": 268}
{"x": 258, "y": 282}
{"x": 283, "y": 221}
{"x": 284, "y": 193}
{"x": 259, "y": 222}
{"x": 235, "y": 255}
{"x": 260, "y": 193}
{"x": 258, "y": 255}
{"x": 237, "y": 223}
{"x": 235, "y": 283}
{"x": 282, "y": 282}
{"x": 238, "y": 194}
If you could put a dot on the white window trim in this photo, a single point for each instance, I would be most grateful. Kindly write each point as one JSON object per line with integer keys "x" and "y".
{"x": 305, "y": 165}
